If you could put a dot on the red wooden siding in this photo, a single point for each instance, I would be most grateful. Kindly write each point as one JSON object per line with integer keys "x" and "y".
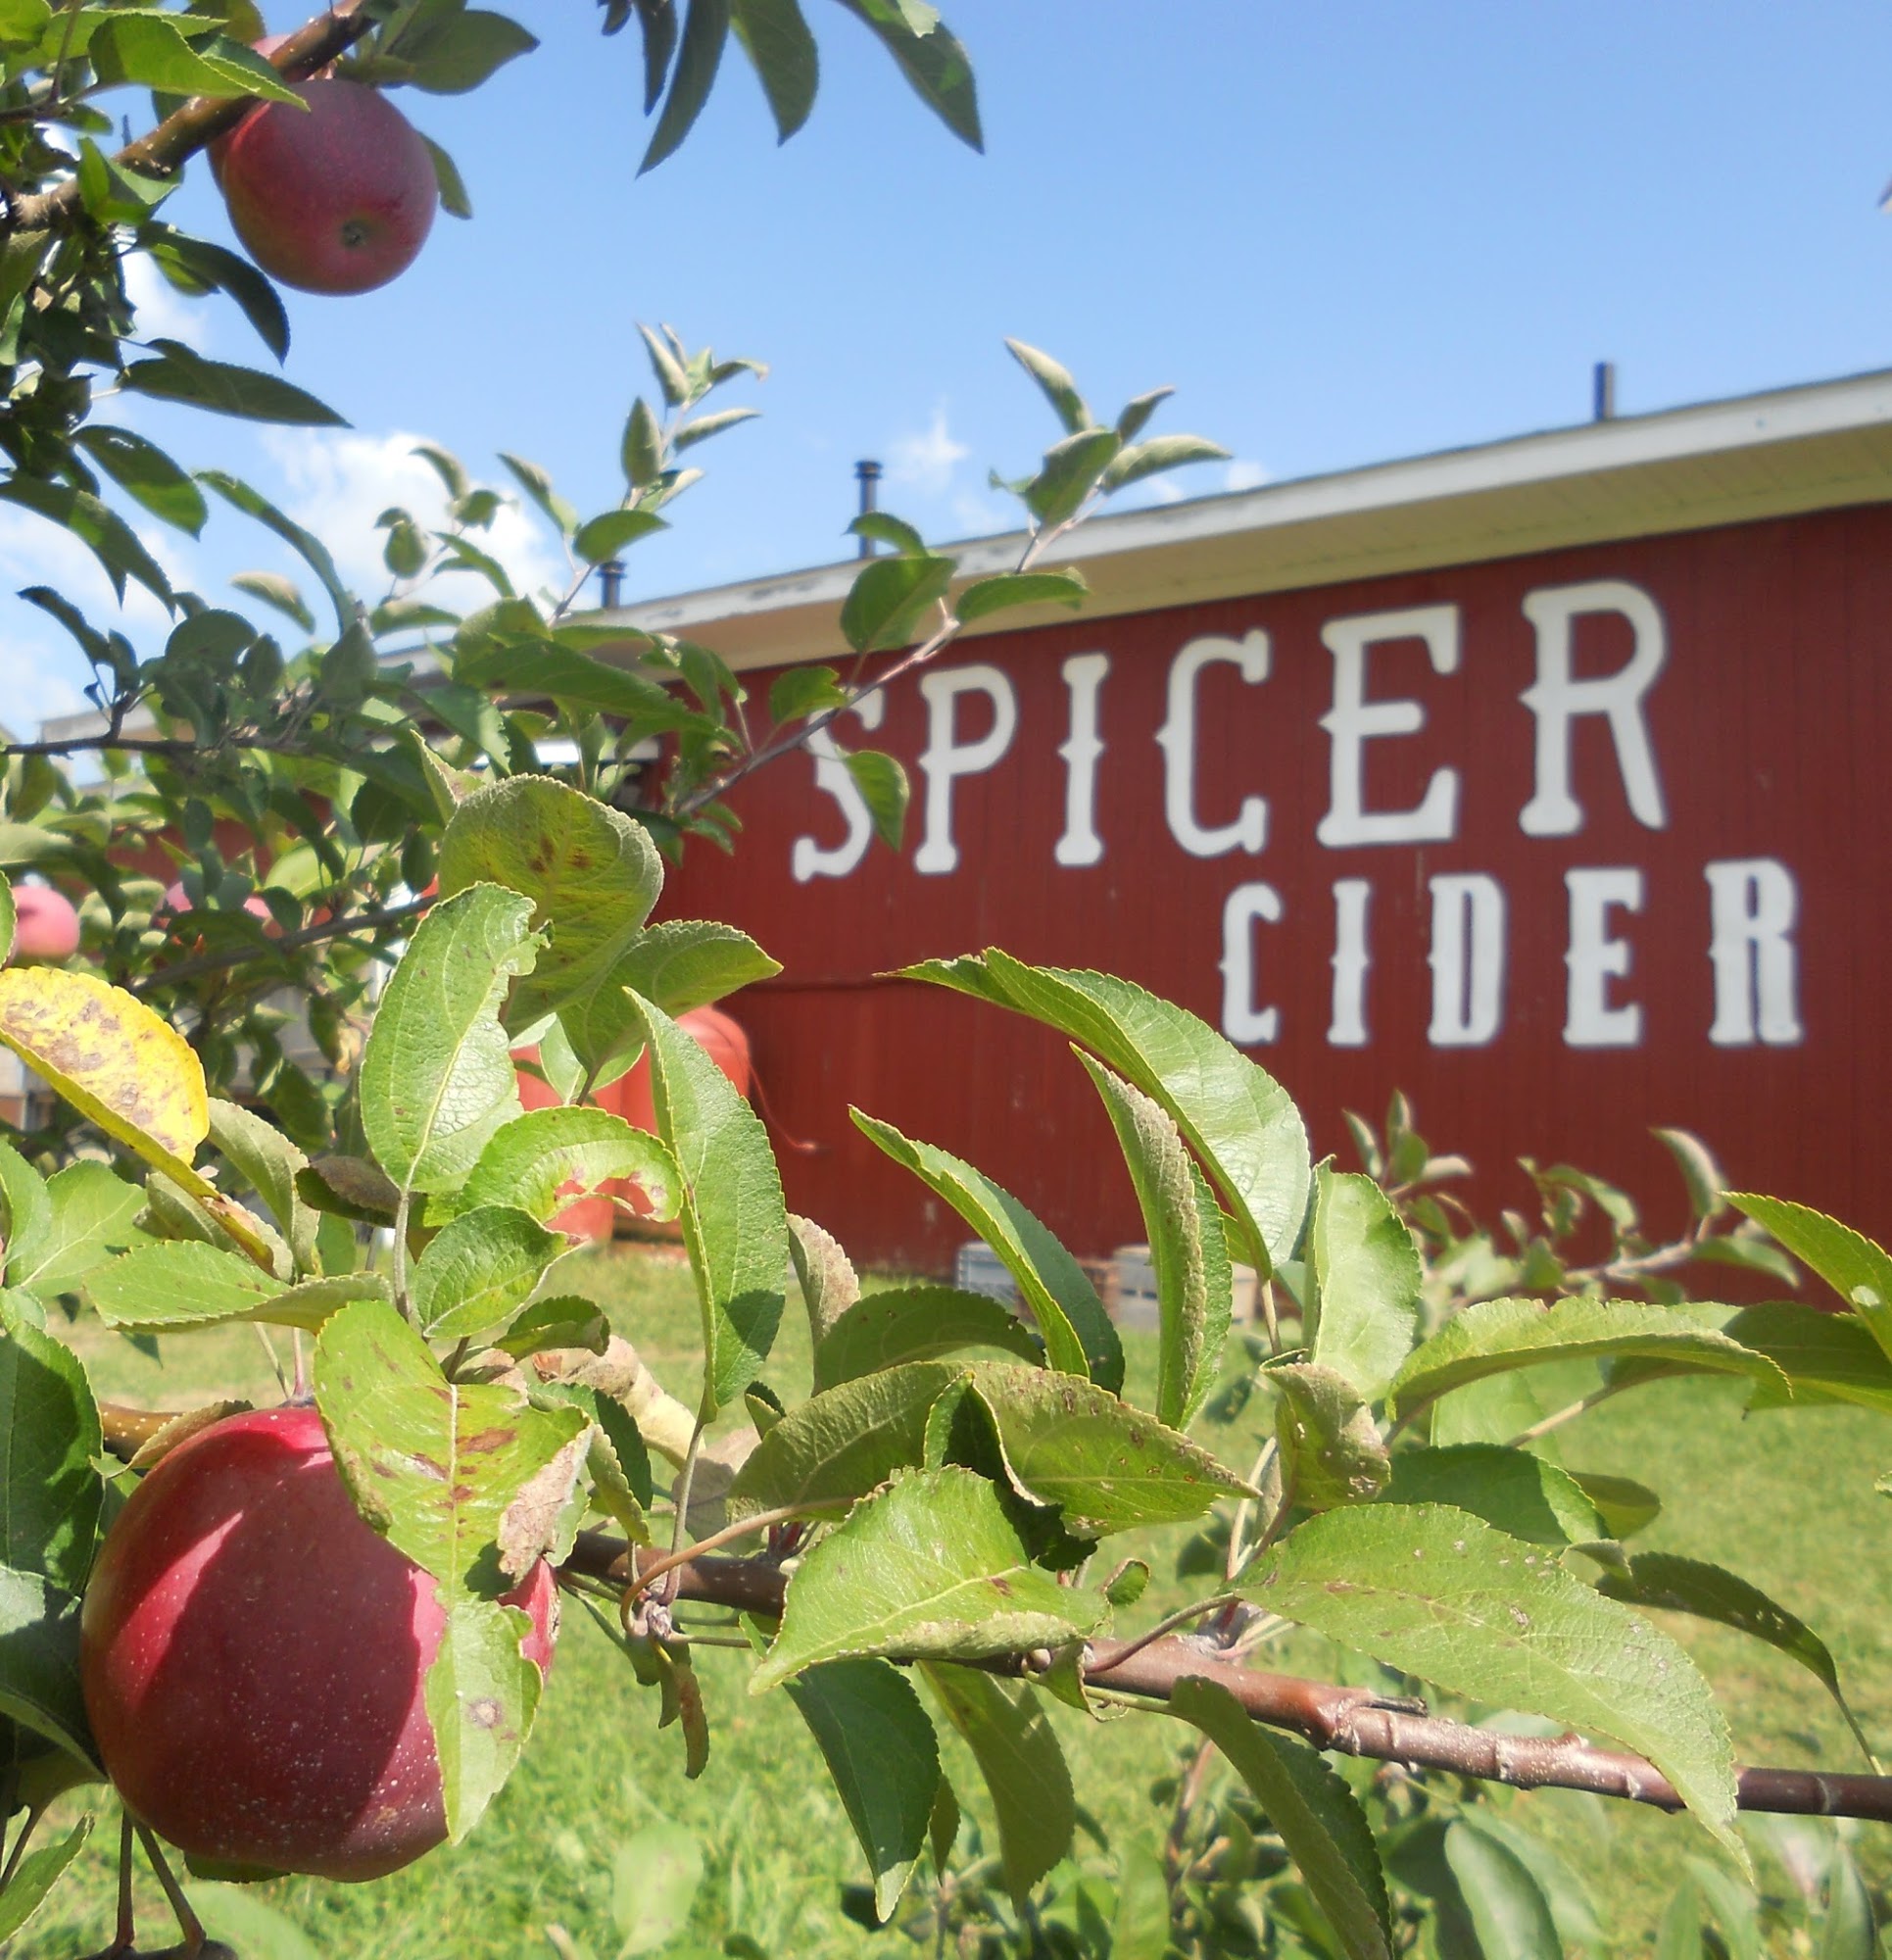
{"x": 1769, "y": 723}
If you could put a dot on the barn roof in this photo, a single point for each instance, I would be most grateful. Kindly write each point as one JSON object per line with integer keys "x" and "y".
{"x": 1816, "y": 446}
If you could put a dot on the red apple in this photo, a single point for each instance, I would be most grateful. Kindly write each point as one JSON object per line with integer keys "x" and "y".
{"x": 252, "y": 1658}
{"x": 336, "y": 199}
{"x": 46, "y": 926}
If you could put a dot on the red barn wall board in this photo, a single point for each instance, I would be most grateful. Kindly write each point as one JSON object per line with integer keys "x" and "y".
{"x": 1565, "y": 840}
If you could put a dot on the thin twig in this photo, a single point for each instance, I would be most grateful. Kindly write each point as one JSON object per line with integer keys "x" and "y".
{"x": 26, "y": 1829}
{"x": 288, "y": 942}
{"x": 743, "y": 1528}
{"x": 188, "y": 1924}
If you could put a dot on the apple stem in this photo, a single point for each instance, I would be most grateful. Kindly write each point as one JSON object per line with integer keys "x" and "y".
{"x": 188, "y": 1924}
{"x": 300, "y": 1392}
{"x": 127, "y": 1933}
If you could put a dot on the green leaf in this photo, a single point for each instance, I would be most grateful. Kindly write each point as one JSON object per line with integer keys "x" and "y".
{"x": 481, "y": 1693}
{"x": 25, "y": 1213}
{"x": 655, "y": 1877}
{"x": 642, "y": 449}
{"x": 1321, "y": 1824}
{"x": 606, "y": 535}
{"x": 1570, "y": 1905}
{"x": 37, "y": 1874}
{"x": 1624, "y": 1507}
{"x": 437, "y": 1076}
{"x": 879, "y": 1749}
{"x": 1508, "y": 1907}
{"x": 916, "y": 1323}
{"x": 1071, "y": 470}
{"x": 884, "y": 789}
{"x": 147, "y": 475}
{"x": 148, "y": 50}
{"x": 467, "y": 1480}
{"x": 9, "y": 923}
{"x": 1054, "y": 379}
{"x": 536, "y": 482}
{"x": 1849, "y": 1931}
{"x": 458, "y": 54}
{"x": 1141, "y": 1928}
{"x": 97, "y": 526}
{"x": 478, "y": 1269}
{"x": 39, "y": 1685}
{"x": 1137, "y": 412}
{"x": 539, "y": 1161}
{"x": 270, "y": 1163}
{"x": 1519, "y": 1492}
{"x": 1366, "y": 1277}
{"x": 1236, "y": 1117}
{"x": 90, "y": 1218}
{"x": 705, "y": 28}
{"x": 1708, "y": 1593}
{"x": 799, "y": 691}
{"x": 671, "y": 381}
{"x": 198, "y": 265}
{"x": 1496, "y": 1336}
{"x": 1437, "y": 1592}
{"x": 782, "y": 51}
{"x": 184, "y": 1283}
{"x": 1019, "y": 588}
{"x": 887, "y": 529}
{"x": 450, "y": 185}
{"x": 1679, "y": 1935}
{"x": 1331, "y": 1451}
{"x": 929, "y": 1567}
{"x": 593, "y": 873}
{"x": 305, "y": 544}
{"x": 241, "y": 1917}
{"x": 889, "y": 598}
{"x": 1079, "y": 1337}
{"x": 1187, "y": 1248}
{"x": 685, "y": 964}
{"x": 1160, "y": 452}
{"x": 702, "y": 427}
{"x": 828, "y": 1282}
{"x": 1023, "y": 1768}
{"x": 843, "y": 1441}
{"x": 1856, "y": 1269}
{"x": 734, "y": 1224}
{"x": 181, "y": 375}
{"x": 1824, "y": 1357}
{"x": 572, "y": 676}
{"x": 566, "y": 1320}
{"x": 934, "y": 63}
{"x": 1108, "y": 1466}
{"x": 50, "y": 1496}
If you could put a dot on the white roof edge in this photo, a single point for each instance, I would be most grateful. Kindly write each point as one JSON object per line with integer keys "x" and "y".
{"x": 1625, "y": 442}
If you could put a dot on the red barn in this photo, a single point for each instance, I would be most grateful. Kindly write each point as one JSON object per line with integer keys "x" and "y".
{"x": 1536, "y": 780}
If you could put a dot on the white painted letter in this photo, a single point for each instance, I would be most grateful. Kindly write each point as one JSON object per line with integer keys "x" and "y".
{"x": 1351, "y": 961}
{"x": 1177, "y": 736}
{"x": 1557, "y": 698}
{"x": 1353, "y": 720}
{"x": 1594, "y": 958}
{"x": 1466, "y": 960}
{"x": 1081, "y": 845}
{"x": 947, "y": 760}
{"x": 1753, "y": 904}
{"x": 1241, "y": 1021}
{"x": 807, "y": 858}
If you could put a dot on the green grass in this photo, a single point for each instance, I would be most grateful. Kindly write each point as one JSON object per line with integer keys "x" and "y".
{"x": 1786, "y": 1499}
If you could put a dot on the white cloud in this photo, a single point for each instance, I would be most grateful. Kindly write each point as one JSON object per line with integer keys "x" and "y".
{"x": 1242, "y": 475}
{"x": 336, "y": 484}
{"x": 925, "y": 463}
{"x": 164, "y": 313}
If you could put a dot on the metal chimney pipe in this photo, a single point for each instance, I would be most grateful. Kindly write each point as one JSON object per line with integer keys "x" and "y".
{"x": 867, "y": 475}
{"x": 1604, "y": 396}
{"x": 611, "y": 580}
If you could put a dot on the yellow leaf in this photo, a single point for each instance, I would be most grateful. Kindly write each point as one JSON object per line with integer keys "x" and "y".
{"x": 113, "y": 1061}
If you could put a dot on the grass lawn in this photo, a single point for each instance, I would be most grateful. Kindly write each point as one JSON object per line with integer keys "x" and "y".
{"x": 1786, "y": 1500}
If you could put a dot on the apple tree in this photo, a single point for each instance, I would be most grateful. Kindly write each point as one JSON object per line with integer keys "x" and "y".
{"x": 437, "y": 836}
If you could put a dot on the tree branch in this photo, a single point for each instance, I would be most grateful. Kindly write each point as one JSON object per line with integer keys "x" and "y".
{"x": 186, "y": 130}
{"x": 288, "y": 942}
{"x": 1351, "y": 1720}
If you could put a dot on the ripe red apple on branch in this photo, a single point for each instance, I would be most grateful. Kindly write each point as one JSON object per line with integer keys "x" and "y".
{"x": 252, "y": 1657}
{"x": 337, "y": 198}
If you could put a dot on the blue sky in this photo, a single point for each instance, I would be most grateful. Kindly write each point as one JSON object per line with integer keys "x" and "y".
{"x": 1344, "y": 232}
